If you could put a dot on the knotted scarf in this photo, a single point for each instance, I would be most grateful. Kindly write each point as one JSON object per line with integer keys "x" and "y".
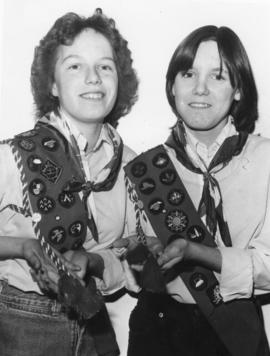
{"x": 210, "y": 205}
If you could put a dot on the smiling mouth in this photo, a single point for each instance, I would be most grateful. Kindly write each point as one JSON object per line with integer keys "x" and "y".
{"x": 92, "y": 96}
{"x": 199, "y": 105}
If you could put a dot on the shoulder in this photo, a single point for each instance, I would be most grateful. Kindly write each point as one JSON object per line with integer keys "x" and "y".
{"x": 257, "y": 145}
{"x": 128, "y": 154}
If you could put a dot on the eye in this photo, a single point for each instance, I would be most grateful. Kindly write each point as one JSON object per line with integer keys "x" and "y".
{"x": 105, "y": 67}
{"x": 74, "y": 67}
{"x": 218, "y": 76}
{"x": 188, "y": 74}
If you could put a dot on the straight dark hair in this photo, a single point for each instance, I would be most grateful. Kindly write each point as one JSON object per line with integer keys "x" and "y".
{"x": 233, "y": 55}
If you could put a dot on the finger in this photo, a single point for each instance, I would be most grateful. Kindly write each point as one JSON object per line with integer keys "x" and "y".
{"x": 137, "y": 268}
{"x": 120, "y": 243}
{"x": 170, "y": 263}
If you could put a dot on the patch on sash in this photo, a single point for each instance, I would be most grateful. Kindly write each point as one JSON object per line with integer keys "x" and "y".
{"x": 34, "y": 163}
{"x": 168, "y": 177}
{"x": 176, "y": 220}
{"x": 51, "y": 171}
{"x": 66, "y": 199}
{"x": 50, "y": 144}
{"x": 57, "y": 235}
{"x": 76, "y": 228}
{"x": 45, "y": 204}
{"x": 214, "y": 295}
{"x": 156, "y": 206}
{"x": 147, "y": 186}
{"x": 160, "y": 160}
{"x": 37, "y": 187}
{"x": 27, "y": 144}
{"x": 196, "y": 233}
{"x": 176, "y": 197}
{"x": 139, "y": 169}
{"x": 198, "y": 281}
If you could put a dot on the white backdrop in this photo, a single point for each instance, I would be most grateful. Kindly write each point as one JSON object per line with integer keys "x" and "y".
{"x": 153, "y": 29}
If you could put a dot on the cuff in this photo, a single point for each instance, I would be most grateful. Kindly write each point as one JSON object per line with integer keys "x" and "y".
{"x": 113, "y": 275}
{"x": 236, "y": 278}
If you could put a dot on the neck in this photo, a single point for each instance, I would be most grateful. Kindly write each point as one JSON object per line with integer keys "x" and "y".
{"x": 90, "y": 130}
{"x": 208, "y": 137}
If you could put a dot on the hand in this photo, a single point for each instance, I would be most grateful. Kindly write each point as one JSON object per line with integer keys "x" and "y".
{"x": 91, "y": 263}
{"x": 174, "y": 253}
{"x": 43, "y": 271}
{"x": 131, "y": 242}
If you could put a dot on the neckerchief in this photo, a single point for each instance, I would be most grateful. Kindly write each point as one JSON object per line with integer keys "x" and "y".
{"x": 210, "y": 206}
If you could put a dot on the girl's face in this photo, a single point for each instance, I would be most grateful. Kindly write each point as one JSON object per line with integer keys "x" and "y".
{"x": 86, "y": 80}
{"x": 203, "y": 95}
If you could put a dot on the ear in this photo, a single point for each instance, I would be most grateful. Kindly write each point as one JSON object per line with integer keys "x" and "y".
{"x": 237, "y": 95}
{"x": 54, "y": 90}
{"x": 173, "y": 90}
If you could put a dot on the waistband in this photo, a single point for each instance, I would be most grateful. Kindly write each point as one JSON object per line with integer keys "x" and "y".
{"x": 263, "y": 299}
{"x": 29, "y": 301}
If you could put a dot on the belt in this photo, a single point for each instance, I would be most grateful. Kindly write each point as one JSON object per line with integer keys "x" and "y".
{"x": 263, "y": 299}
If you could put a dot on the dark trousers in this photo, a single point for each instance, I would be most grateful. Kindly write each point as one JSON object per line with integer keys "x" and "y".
{"x": 160, "y": 326}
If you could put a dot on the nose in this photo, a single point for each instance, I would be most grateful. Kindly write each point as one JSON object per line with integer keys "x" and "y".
{"x": 92, "y": 76}
{"x": 201, "y": 86}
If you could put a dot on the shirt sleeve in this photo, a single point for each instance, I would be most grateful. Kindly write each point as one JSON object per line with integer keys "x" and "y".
{"x": 246, "y": 266}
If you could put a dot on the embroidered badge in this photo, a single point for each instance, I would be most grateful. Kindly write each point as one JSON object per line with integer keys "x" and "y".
{"x": 176, "y": 221}
{"x": 45, "y": 204}
{"x": 51, "y": 171}
{"x": 156, "y": 206}
{"x": 176, "y": 197}
{"x": 50, "y": 144}
{"x": 198, "y": 281}
{"x": 214, "y": 295}
{"x": 147, "y": 186}
{"x": 66, "y": 199}
{"x": 30, "y": 133}
{"x": 196, "y": 233}
{"x": 57, "y": 235}
{"x": 34, "y": 163}
{"x": 27, "y": 144}
{"x": 167, "y": 177}
{"x": 37, "y": 187}
{"x": 76, "y": 228}
{"x": 139, "y": 169}
{"x": 160, "y": 160}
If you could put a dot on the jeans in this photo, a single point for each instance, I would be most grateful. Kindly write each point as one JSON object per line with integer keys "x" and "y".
{"x": 34, "y": 325}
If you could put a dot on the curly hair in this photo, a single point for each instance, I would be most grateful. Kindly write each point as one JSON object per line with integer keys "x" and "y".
{"x": 233, "y": 55}
{"x": 63, "y": 32}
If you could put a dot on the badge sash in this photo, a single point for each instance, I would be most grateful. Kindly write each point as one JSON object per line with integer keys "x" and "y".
{"x": 172, "y": 215}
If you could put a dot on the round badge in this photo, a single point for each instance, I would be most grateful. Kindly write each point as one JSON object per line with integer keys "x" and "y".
{"x": 167, "y": 177}
{"x": 76, "y": 229}
{"x": 156, "y": 206}
{"x": 66, "y": 199}
{"x": 198, "y": 281}
{"x": 37, "y": 187}
{"x": 50, "y": 144}
{"x": 30, "y": 133}
{"x": 160, "y": 160}
{"x": 77, "y": 244}
{"x": 196, "y": 233}
{"x": 147, "y": 186}
{"x": 174, "y": 237}
{"x": 176, "y": 221}
{"x": 45, "y": 204}
{"x": 34, "y": 163}
{"x": 27, "y": 144}
{"x": 57, "y": 235}
{"x": 138, "y": 169}
{"x": 175, "y": 197}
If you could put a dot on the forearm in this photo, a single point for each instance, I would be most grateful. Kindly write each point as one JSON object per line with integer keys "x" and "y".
{"x": 11, "y": 247}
